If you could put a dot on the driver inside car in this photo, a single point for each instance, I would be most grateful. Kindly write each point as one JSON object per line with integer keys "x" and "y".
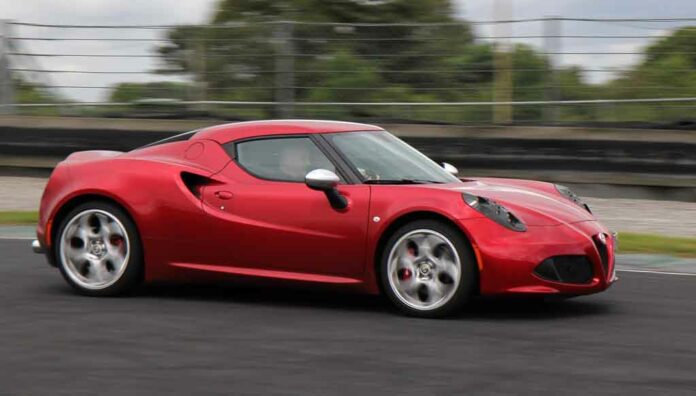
{"x": 294, "y": 161}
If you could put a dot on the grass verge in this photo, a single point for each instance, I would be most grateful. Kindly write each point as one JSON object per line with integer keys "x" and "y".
{"x": 656, "y": 244}
{"x": 18, "y": 217}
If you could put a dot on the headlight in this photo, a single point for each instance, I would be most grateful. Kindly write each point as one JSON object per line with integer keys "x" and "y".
{"x": 568, "y": 193}
{"x": 495, "y": 212}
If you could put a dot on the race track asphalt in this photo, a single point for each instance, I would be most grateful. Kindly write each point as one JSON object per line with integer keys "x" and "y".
{"x": 638, "y": 337}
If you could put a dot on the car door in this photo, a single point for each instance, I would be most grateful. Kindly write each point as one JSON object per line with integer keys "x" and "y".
{"x": 263, "y": 216}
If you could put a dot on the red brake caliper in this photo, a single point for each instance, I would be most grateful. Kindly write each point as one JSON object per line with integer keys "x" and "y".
{"x": 406, "y": 273}
{"x": 116, "y": 240}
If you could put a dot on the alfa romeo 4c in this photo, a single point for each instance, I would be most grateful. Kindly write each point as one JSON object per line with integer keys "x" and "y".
{"x": 335, "y": 203}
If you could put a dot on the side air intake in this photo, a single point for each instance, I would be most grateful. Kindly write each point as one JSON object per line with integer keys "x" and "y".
{"x": 194, "y": 183}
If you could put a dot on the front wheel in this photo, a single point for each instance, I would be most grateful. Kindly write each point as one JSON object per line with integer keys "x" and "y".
{"x": 98, "y": 250}
{"x": 428, "y": 269}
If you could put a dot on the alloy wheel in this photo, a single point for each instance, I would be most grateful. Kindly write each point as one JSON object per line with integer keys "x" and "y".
{"x": 424, "y": 269}
{"x": 94, "y": 249}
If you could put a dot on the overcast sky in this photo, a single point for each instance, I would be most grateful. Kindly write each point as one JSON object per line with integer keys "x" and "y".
{"x": 167, "y": 12}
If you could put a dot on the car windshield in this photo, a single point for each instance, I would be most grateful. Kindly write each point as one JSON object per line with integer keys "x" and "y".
{"x": 382, "y": 158}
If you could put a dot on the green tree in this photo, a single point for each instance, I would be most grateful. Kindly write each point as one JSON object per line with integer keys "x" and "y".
{"x": 572, "y": 86}
{"x": 240, "y": 51}
{"x": 342, "y": 87}
{"x": 529, "y": 79}
{"x": 668, "y": 70}
{"x": 26, "y": 92}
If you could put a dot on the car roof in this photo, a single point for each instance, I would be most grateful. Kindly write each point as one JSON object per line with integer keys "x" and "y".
{"x": 242, "y": 130}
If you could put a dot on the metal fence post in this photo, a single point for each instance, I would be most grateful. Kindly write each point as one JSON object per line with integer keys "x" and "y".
{"x": 284, "y": 87}
{"x": 7, "y": 98}
{"x": 552, "y": 47}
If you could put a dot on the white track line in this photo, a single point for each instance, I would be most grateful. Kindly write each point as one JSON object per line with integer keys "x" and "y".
{"x": 656, "y": 272}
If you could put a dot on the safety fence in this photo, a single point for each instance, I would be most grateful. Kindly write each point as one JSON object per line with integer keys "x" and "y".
{"x": 538, "y": 71}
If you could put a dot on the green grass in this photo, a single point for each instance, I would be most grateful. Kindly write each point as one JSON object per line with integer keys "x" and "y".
{"x": 656, "y": 244}
{"x": 18, "y": 217}
{"x": 628, "y": 242}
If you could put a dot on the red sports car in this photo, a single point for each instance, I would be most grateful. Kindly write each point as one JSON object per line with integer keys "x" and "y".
{"x": 335, "y": 203}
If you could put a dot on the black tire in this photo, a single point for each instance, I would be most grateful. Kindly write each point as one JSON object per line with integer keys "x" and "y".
{"x": 468, "y": 281}
{"x": 132, "y": 275}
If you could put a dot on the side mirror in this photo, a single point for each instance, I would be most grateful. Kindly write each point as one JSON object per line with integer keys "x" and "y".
{"x": 326, "y": 181}
{"x": 450, "y": 169}
{"x": 321, "y": 179}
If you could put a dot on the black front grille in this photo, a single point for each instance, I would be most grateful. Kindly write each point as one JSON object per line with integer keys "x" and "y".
{"x": 565, "y": 269}
{"x": 603, "y": 252}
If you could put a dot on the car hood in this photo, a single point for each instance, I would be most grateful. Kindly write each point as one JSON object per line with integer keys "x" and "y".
{"x": 535, "y": 203}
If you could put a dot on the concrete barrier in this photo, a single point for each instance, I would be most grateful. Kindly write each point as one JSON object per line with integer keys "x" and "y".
{"x": 656, "y": 162}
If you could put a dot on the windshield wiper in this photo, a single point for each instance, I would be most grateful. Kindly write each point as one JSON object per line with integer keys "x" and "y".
{"x": 400, "y": 181}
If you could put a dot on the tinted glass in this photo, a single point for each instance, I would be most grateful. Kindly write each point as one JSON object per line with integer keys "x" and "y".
{"x": 380, "y": 156}
{"x": 284, "y": 159}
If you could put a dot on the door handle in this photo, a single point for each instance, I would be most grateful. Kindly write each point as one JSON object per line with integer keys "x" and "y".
{"x": 223, "y": 195}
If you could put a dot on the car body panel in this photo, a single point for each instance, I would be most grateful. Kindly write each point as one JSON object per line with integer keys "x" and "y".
{"x": 533, "y": 206}
{"x": 201, "y": 216}
{"x": 286, "y": 226}
{"x": 509, "y": 257}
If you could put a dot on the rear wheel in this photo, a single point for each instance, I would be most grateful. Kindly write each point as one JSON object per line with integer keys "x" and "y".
{"x": 428, "y": 269}
{"x": 98, "y": 250}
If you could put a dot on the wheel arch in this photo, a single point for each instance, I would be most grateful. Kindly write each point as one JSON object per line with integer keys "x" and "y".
{"x": 415, "y": 216}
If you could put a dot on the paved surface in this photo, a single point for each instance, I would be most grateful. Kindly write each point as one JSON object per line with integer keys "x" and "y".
{"x": 636, "y": 337}
{"x": 646, "y": 216}
{"x": 20, "y": 193}
{"x": 656, "y": 263}
{"x": 17, "y": 232}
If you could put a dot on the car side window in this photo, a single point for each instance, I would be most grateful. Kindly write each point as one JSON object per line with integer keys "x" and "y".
{"x": 282, "y": 159}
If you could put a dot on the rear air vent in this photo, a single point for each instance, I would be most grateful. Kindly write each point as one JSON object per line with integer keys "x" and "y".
{"x": 565, "y": 269}
{"x": 194, "y": 183}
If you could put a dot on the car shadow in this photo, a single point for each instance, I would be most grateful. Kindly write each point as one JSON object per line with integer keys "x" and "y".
{"x": 534, "y": 308}
{"x": 480, "y": 308}
{"x": 288, "y": 296}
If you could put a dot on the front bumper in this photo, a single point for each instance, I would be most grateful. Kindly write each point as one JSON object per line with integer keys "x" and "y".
{"x": 508, "y": 259}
